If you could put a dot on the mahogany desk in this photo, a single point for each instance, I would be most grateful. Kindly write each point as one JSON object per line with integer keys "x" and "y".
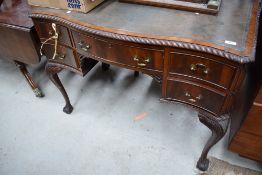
{"x": 200, "y": 60}
{"x": 18, "y": 39}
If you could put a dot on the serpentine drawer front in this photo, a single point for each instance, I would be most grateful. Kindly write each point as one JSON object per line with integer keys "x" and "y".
{"x": 203, "y": 68}
{"x": 46, "y": 31}
{"x": 87, "y": 45}
{"x": 131, "y": 56}
{"x": 143, "y": 58}
{"x": 194, "y": 94}
{"x": 64, "y": 55}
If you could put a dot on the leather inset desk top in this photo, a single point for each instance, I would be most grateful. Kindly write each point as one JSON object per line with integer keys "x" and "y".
{"x": 231, "y": 24}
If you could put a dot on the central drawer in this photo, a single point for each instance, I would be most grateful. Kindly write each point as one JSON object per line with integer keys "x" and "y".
{"x": 137, "y": 57}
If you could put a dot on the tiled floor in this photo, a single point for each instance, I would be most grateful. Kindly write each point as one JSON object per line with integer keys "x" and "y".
{"x": 101, "y": 136}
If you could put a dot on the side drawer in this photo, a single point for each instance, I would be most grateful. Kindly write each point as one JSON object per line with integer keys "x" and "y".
{"x": 65, "y": 55}
{"x": 46, "y": 31}
{"x": 144, "y": 58}
{"x": 86, "y": 45}
{"x": 196, "y": 95}
{"x": 202, "y": 68}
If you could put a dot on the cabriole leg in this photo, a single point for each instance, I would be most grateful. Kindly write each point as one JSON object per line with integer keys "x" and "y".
{"x": 52, "y": 73}
{"x": 218, "y": 126}
{"x": 29, "y": 79}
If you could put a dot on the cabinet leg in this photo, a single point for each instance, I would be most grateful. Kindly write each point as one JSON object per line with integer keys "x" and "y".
{"x": 52, "y": 73}
{"x": 105, "y": 66}
{"x": 29, "y": 79}
{"x": 218, "y": 126}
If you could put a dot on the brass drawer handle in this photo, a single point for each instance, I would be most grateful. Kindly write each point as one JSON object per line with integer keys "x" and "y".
{"x": 147, "y": 60}
{"x": 142, "y": 62}
{"x": 50, "y": 32}
{"x": 81, "y": 43}
{"x": 193, "y": 99}
{"x": 84, "y": 46}
{"x": 135, "y": 58}
{"x": 60, "y": 56}
{"x": 194, "y": 67}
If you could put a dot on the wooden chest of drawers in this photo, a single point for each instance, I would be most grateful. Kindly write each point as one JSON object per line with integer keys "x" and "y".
{"x": 248, "y": 140}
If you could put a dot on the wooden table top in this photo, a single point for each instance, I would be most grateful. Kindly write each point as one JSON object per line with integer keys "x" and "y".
{"x": 232, "y": 31}
{"x": 15, "y": 12}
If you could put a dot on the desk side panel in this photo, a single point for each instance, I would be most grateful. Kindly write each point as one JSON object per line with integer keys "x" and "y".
{"x": 20, "y": 44}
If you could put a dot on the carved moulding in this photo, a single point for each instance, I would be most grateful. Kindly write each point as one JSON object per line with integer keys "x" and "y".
{"x": 151, "y": 41}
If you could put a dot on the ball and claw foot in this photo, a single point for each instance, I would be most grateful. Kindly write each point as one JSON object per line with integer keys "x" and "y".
{"x": 38, "y": 92}
{"x": 202, "y": 164}
{"x": 68, "y": 109}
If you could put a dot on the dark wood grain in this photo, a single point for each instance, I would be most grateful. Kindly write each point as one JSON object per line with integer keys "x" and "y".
{"x": 218, "y": 128}
{"x": 29, "y": 78}
{"x": 248, "y": 140}
{"x": 248, "y": 146}
{"x": 45, "y": 31}
{"x": 64, "y": 55}
{"x": 19, "y": 43}
{"x": 122, "y": 53}
{"x": 211, "y": 86}
{"x": 52, "y": 73}
{"x": 194, "y": 94}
